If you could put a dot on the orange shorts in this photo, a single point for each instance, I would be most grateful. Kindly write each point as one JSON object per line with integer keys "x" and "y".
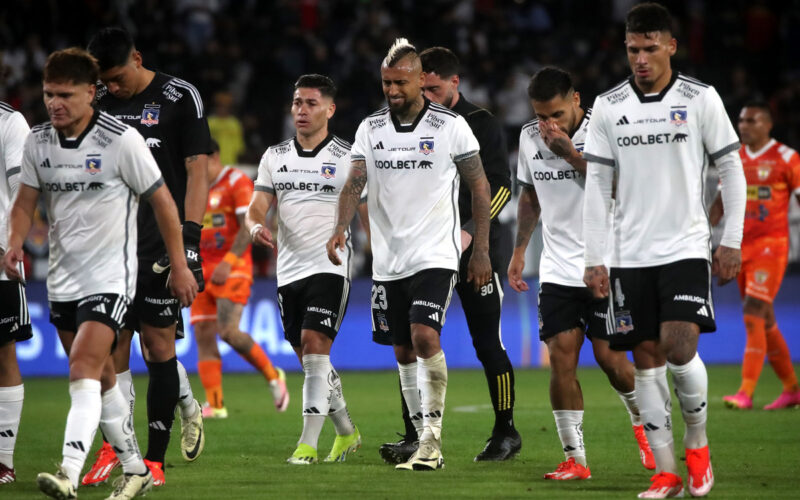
{"x": 204, "y": 307}
{"x": 763, "y": 265}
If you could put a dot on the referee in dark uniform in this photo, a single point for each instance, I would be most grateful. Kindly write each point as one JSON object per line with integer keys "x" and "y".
{"x": 169, "y": 114}
{"x": 482, "y": 308}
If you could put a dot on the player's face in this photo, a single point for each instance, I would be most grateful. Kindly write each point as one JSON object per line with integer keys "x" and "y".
{"x": 441, "y": 90}
{"x": 123, "y": 81}
{"x": 402, "y": 85}
{"x": 754, "y": 126}
{"x": 68, "y": 103}
{"x": 561, "y": 110}
{"x": 311, "y": 110}
{"x": 649, "y": 56}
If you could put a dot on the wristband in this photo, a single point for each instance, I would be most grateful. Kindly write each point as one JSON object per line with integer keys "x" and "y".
{"x": 191, "y": 232}
{"x": 231, "y": 258}
{"x": 254, "y": 230}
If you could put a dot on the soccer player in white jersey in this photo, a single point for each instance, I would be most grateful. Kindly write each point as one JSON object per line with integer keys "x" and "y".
{"x": 305, "y": 174}
{"x": 91, "y": 170}
{"x": 655, "y": 131}
{"x": 15, "y": 322}
{"x": 412, "y": 154}
{"x": 552, "y": 171}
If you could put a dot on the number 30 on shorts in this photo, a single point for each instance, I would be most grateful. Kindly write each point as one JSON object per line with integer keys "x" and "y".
{"x": 379, "y": 297}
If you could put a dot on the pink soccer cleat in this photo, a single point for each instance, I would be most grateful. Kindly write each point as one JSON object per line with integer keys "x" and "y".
{"x": 740, "y": 401}
{"x": 787, "y": 399}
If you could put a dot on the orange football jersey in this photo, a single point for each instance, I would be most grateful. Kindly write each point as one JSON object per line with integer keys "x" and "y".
{"x": 228, "y": 196}
{"x": 773, "y": 175}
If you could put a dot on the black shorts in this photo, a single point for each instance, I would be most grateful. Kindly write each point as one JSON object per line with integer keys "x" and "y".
{"x": 422, "y": 298}
{"x": 153, "y": 304}
{"x": 106, "y": 308}
{"x": 317, "y": 303}
{"x": 640, "y": 299}
{"x": 563, "y": 308}
{"x": 15, "y": 322}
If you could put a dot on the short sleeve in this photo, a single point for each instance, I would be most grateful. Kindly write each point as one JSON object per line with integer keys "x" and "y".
{"x": 264, "y": 178}
{"x": 719, "y": 138}
{"x": 794, "y": 172}
{"x": 463, "y": 143}
{"x": 242, "y": 191}
{"x": 13, "y": 144}
{"x": 137, "y": 167}
{"x": 597, "y": 147}
{"x": 362, "y": 144}
{"x": 524, "y": 159}
{"x": 28, "y": 174}
{"x": 195, "y": 136}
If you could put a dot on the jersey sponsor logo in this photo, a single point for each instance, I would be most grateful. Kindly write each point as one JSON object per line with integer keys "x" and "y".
{"x": 101, "y": 137}
{"x": 299, "y": 186}
{"x": 94, "y": 165}
{"x": 703, "y": 311}
{"x": 326, "y": 322}
{"x": 688, "y": 298}
{"x": 680, "y": 138}
{"x": 687, "y": 90}
{"x": 434, "y": 121}
{"x": 321, "y": 310}
{"x": 328, "y": 189}
{"x": 171, "y": 93}
{"x": 152, "y": 142}
{"x": 66, "y": 187}
{"x": 378, "y": 146}
{"x": 643, "y": 140}
{"x": 678, "y": 115}
{"x": 619, "y": 96}
{"x": 336, "y": 151}
{"x": 100, "y": 308}
{"x": 328, "y": 171}
{"x": 426, "y": 145}
{"x": 402, "y": 148}
{"x": 94, "y": 186}
{"x": 623, "y": 121}
{"x": 558, "y": 175}
{"x": 281, "y": 150}
{"x": 427, "y": 303}
{"x": 150, "y": 114}
{"x": 375, "y": 123}
{"x": 403, "y": 164}
{"x": 755, "y": 193}
{"x": 763, "y": 172}
{"x": 538, "y": 156}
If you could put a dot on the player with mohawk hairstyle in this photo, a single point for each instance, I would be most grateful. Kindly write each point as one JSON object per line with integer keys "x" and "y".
{"x": 414, "y": 153}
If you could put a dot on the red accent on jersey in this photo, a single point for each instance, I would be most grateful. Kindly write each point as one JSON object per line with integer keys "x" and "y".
{"x": 232, "y": 190}
{"x": 772, "y": 177}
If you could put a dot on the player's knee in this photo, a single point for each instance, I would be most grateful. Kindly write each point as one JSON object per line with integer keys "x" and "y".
{"x": 563, "y": 361}
{"x": 756, "y": 307}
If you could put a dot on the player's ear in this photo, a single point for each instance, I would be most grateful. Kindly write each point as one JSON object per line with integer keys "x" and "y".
{"x": 455, "y": 80}
{"x": 331, "y": 110}
{"x": 672, "y": 46}
{"x": 576, "y": 97}
{"x": 137, "y": 58}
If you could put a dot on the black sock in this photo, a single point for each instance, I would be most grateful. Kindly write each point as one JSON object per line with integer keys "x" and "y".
{"x": 162, "y": 396}
{"x": 411, "y": 431}
{"x": 500, "y": 377}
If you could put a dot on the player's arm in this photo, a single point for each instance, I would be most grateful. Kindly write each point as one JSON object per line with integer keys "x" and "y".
{"x": 256, "y": 216}
{"x": 19, "y": 225}
{"x": 716, "y": 211}
{"x": 479, "y": 270}
{"x": 349, "y": 199}
{"x": 182, "y": 281}
{"x": 528, "y": 211}
{"x": 561, "y": 144}
{"x": 727, "y": 259}
{"x": 596, "y": 205}
{"x": 220, "y": 274}
{"x": 363, "y": 217}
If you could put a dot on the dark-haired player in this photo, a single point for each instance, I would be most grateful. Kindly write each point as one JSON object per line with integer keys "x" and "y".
{"x": 169, "y": 113}
{"x": 656, "y": 130}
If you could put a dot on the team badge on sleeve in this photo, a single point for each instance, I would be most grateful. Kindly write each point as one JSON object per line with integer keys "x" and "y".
{"x": 426, "y": 145}
{"x": 93, "y": 165}
{"x": 328, "y": 171}
{"x": 150, "y": 114}
{"x": 678, "y": 116}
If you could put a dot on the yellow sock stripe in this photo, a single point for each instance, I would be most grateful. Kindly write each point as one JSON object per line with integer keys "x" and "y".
{"x": 499, "y": 201}
{"x": 499, "y": 393}
{"x": 508, "y": 390}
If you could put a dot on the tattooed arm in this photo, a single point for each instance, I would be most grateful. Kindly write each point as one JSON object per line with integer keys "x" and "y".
{"x": 349, "y": 198}
{"x": 528, "y": 211}
{"x": 480, "y": 268}
{"x": 240, "y": 242}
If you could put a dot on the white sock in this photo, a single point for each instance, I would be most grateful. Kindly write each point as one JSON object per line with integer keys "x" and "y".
{"x": 691, "y": 387}
{"x": 411, "y": 393}
{"x": 569, "y": 424}
{"x": 338, "y": 408}
{"x": 125, "y": 383}
{"x": 432, "y": 382}
{"x": 629, "y": 400}
{"x": 82, "y": 421}
{"x": 655, "y": 409}
{"x": 316, "y": 396}
{"x": 10, "y": 411}
{"x": 185, "y": 395}
{"x": 117, "y": 426}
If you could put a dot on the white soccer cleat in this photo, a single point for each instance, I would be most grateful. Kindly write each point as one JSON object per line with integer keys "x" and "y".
{"x": 193, "y": 439}
{"x": 427, "y": 457}
{"x": 128, "y": 486}
{"x": 56, "y": 485}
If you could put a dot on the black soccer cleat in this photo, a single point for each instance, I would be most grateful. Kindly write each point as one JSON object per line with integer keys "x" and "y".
{"x": 500, "y": 447}
{"x": 399, "y": 452}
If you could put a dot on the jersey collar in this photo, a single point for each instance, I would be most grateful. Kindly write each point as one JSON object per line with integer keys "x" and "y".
{"x": 313, "y": 153}
{"x": 67, "y": 144}
{"x": 400, "y": 128}
{"x": 652, "y": 98}
{"x": 755, "y": 154}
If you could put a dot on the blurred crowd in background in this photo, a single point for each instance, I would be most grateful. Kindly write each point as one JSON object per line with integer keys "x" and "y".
{"x": 245, "y": 55}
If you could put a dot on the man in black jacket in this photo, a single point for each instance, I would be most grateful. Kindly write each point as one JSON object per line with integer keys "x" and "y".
{"x": 481, "y": 308}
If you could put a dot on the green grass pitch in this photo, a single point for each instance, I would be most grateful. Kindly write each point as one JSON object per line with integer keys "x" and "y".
{"x": 755, "y": 454}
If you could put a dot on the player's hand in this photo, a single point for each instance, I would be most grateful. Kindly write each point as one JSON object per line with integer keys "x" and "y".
{"x": 466, "y": 240}
{"x": 515, "y": 268}
{"x": 11, "y": 260}
{"x": 596, "y": 278}
{"x": 183, "y": 285}
{"x": 337, "y": 242}
{"x": 556, "y": 140}
{"x": 262, "y": 236}
{"x": 479, "y": 269}
{"x": 725, "y": 264}
{"x": 221, "y": 273}
{"x": 191, "y": 246}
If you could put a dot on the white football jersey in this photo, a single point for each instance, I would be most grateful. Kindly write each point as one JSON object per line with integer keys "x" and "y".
{"x": 559, "y": 187}
{"x": 659, "y": 145}
{"x": 13, "y": 131}
{"x": 307, "y": 185}
{"x": 91, "y": 187}
{"x": 413, "y": 189}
